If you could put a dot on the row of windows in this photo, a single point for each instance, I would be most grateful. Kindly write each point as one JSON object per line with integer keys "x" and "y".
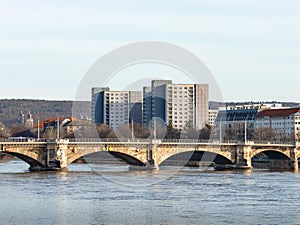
{"x": 180, "y": 104}
{"x": 116, "y": 102}
{"x": 285, "y": 128}
{"x": 119, "y": 109}
{"x": 117, "y": 113}
{"x": 180, "y": 92}
{"x": 180, "y": 117}
{"x": 117, "y": 94}
{"x": 181, "y": 110}
{"x": 179, "y": 87}
{"x": 112, "y": 117}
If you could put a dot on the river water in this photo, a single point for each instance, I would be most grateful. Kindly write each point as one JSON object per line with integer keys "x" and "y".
{"x": 113, "y": 194}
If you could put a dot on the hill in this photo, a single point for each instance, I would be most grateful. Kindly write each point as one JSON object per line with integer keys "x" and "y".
{"x": 40, "y": 109}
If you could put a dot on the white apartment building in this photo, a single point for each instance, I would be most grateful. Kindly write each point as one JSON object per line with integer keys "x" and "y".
{"x": 116, "y": 107}
{"x": 285, "y": 123}
{"x": 182, "y": 105}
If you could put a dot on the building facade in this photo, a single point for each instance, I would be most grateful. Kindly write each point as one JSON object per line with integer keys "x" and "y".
{"x": 181, "y": 105}
{"x": 116, "y": 107}
{"x": 212, "y": 115}
{"x": 237, "y": 122}
{"x": 26, "y": 121}
{"x": 284, "y": 124}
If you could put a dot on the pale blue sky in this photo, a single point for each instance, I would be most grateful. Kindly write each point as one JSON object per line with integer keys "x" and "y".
{"x": 251, "y": 47}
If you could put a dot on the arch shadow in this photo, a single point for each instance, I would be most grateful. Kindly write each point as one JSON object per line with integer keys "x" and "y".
{"x": 272, "y": 154}
{"x": 270, "y": 159}
{"x": 94, "y": 157}
{"x": 33, "y": 163}
{"x": 190, "y": 157}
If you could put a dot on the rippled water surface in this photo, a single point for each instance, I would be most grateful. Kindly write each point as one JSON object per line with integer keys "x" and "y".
{"x": 113, "y": 194}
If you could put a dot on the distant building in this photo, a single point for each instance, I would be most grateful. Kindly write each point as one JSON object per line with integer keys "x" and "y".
{"x": 285, "y": 123}
{"x": 29, "y": 121}
{"x": 26, "y": 121}
{"x": 97, "y": 102}
{"x": 21, "y": 119}
{"x": 181, "y": 105}
{"x": 135, "y": 106}
{"x": 233, "y": 121}
{"x": 116, "y": 107}
{"x": 212, "y": 115}
{"x": 80, "y": 128}
{"x": 231, "y": 124}
{"x": 260, "y": 106}
{"x": 48, "y": 123}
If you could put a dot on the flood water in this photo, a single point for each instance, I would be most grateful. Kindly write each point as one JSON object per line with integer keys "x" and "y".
{"x": 113, "y": 194}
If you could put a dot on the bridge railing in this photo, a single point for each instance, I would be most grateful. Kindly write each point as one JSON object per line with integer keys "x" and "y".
{"x": 22, "y": 140}
{"x": 106, "y": 140}
{"x": 137, "y": 140}
{"x": 129, "y": 140}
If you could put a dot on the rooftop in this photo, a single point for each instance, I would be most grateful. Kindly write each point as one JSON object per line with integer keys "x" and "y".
{"x": 278, "y": 112}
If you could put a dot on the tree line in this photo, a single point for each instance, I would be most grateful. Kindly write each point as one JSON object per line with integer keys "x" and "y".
{"x": 234, "y": 133}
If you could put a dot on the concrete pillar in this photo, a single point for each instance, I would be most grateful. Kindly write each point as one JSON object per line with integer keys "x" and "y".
{"x": 56, "y": 155}
{"x": 61, "y": 153}
{"x": 294, "y": 160}
{"x": 243, "y": 159}
{"x": 152, "y": 154}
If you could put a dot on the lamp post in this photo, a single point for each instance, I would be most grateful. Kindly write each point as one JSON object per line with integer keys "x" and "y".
{"x": 57, "y": 128}
{"x": 245, "y": 131}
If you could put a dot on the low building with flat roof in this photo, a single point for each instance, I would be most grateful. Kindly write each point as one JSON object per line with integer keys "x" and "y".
{"x": 283, "y": 123}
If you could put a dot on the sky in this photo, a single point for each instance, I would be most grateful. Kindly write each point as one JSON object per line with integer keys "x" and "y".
{"x": 252, "y": 48}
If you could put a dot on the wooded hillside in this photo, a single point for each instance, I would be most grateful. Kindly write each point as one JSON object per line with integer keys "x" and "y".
{"x": 40, "y": 109}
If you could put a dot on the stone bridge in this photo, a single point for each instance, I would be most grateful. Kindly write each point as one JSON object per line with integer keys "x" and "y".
{"x": 57, "y": 154}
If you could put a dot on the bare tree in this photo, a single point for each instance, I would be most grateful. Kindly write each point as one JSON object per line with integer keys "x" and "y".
{"x": 191, "y": 133}
{"x": 4, "y": 131}
{"x": 50, "y": 133}
{"x": 104, "y": 131}
{"x": 172, "y": 133}
{"x": 205, "y": 132}
{"x": 283, "y": 137}
{"x": 141, "y": 131}
{"x": 264, "y": 134}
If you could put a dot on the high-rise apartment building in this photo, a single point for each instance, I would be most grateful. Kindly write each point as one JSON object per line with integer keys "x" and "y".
{"x": 97, "y": 104}
{"x": 181, "y": 105}
{"x": 116, "y": 107}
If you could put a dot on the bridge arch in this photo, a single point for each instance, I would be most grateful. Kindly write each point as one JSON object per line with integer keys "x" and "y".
{"x": 204, "y": 155}
{"x": 130, "y": 157}
{"x": 271, "y": 153}
{"x": 32, "y": 161}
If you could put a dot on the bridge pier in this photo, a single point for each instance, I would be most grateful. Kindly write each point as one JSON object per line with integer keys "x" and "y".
{"x": 152, "y": 154}
{"x": 243, "y": 159}
{"x": 293, "y": 159}
{"x": 286, "y": 164}
{"x": 55, "y": 157}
